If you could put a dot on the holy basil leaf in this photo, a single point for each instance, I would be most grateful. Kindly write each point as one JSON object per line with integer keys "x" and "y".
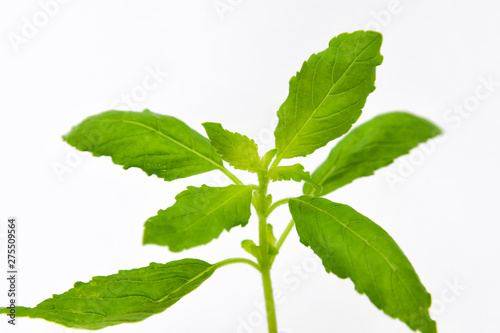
{"x": 351, "y": 245}
{"x": 371, "y": 146}
{"x": 199, "y": 215}
{"x": 127, "y": 297}
{"x": 236, "y": 149}
{"x": 158, "y": 144}
{"x": 295, "y": 172}
{"x": 327, "y": 95}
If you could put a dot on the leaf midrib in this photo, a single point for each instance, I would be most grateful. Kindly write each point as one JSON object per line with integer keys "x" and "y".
{"x": 219, "y": 166}
{"x": 214, "y": 209}
{"x": 188, "y": 282}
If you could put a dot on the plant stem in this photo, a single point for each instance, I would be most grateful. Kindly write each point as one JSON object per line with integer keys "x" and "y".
{"x": 265, "y": 258}
{"x": 237, "y": 261}
{"x": 231, "y": 176}
{"x": 276, "y": 205}
{"x": 276, "y": 162}
{"x": 268, "y": 295}
{"x": 284, "y": 235}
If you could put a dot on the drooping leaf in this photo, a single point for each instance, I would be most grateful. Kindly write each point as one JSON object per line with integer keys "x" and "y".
{"x": 236, "y": 149}
{"x": 295, "y": 172}
{"x": 126, "y": 297}
{"x": 352, "y": 246}
{"x": 199, "y": 215}
{"x": 327, "y": 95}
{"x": 158, "y": 144}
{"x": 371, "y": 146}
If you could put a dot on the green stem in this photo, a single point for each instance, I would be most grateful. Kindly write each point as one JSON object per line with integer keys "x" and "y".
{"x": 276, "y": 205}
{"x": 262, "y": 213}
{"x": 265, "y": 258}
{"x": 276, "y": 162}
{"x": 237, "y": 261}
{"x": 231, "y": 176}
{"x": 284, "y": 234}
{"x": 268, "y": 295}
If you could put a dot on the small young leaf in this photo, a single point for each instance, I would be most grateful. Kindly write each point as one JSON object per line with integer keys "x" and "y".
{"x": 261, "y": 205}
{"x": 327, "y": 95}
{"x": 351, "y": 245}
{"x": 295, "y": 172}
{"x": 268, "y": 157}
{"x": 126, "y": 297}
{"x": 249, "y": 246}
{"x": 271, "y": 241}
{"x": 371, "y": 146}
{"x": 158, "y": 144}
{"x": 236, "y": 149}
{"x": 199, "y": 215}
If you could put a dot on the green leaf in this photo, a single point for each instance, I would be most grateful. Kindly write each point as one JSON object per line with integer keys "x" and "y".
{"x": 271, "y": 241}
{"x": 249, "y": 246}
{"x": 371, "y": 146}
{"x": 351, "y": 245}
{"x": 259, "y": 204}
{"x": 127, "y": 297}
{"x": 327, "y": 95}
{"x": 158, "y": 144}
{"x": 268, "y": 157}
{"x": 199, "y": 215}
{"x": 295, "y": 172}
{"x": 236, "y": 149}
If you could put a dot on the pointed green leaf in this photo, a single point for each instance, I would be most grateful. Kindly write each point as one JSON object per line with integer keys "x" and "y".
{"x": 295, "y": 172}
{"x": 351, "y": 245}
{"x": 158, "y": 144}
{"x": 371, "y": 146}
{"x": 271, "y": 241}
{"x": 127, "y": 297}
{"x": 236, "y": 149}
{"x": 199, "y": 215}
{"x": 268, "y": 157}
{"x": 327, "y": 95}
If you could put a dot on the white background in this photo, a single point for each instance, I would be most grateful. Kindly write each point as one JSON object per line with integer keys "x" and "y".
{"x": 81, "y": 216}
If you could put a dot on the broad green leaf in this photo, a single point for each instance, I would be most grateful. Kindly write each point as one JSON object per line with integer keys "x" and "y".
{"x": 199, "y": 215}
{"x": 236, "y": 149}
{"x": 127, "y": 297}
{"x": 295, "y": 172}
{"x": 371, "y": 146}
{"x": 352, "y": 246}
{"x": 158, "y": 144}
{"x": 327, "y": 95}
